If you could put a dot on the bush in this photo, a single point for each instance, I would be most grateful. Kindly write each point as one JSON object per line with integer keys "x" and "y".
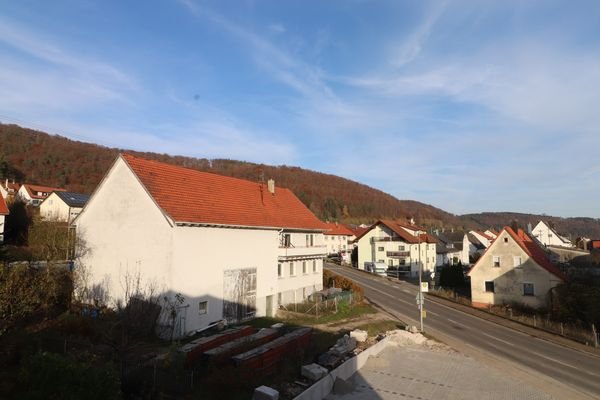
{"x": 331, "y": 279}
{"x": 53, "y": 376}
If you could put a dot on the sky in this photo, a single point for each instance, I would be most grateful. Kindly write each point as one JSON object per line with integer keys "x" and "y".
{"x": 467, "y": 105}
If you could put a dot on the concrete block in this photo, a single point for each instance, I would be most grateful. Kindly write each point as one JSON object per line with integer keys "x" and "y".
{"x": 278, "y": 325}
{"x": 343, "y": 346}
{"x": 314, "y": 372}
{"x": 265, "y": 393}
{"x": 342, "y": 386}
{"x": 359, "y": 335}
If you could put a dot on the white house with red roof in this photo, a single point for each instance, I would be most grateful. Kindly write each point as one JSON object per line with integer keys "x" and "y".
{"x": 548, "y": 236}
{"x": 400, "y": 245}
{"x": 234, "y": 249}
{"x": 9, "y": 189}
{"x": 513, "y": 270}
{"x": 3, "y": 214}
{"x": 338, "y": 238}
{"x": 34, "y": 194}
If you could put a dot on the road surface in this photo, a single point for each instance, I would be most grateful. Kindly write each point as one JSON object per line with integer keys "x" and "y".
{"x": 566, "y": 372}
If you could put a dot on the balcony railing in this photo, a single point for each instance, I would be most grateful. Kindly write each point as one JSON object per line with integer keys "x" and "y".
{"x": 398, "y": 254}
{"x": 302, "y": 251}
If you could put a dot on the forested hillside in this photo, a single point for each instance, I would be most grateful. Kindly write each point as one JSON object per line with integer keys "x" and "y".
{"x": 37, "y": 157}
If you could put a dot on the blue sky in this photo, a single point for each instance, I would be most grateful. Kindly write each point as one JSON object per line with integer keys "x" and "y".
{"x": 467, "y": 105}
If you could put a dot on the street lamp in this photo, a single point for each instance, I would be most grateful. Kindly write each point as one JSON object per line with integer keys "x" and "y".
{"x": 421, "y": 299}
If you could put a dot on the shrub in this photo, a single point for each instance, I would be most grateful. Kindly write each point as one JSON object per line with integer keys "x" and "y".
{"x": 331, "y": 279}
{"x": 53, "y": 376}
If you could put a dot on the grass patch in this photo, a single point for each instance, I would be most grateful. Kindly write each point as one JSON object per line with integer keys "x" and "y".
{"x": 344, "y": 313}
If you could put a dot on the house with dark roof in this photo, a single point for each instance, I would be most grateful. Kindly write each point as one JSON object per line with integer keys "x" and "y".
{"x": 513, "y": 270}
{"x": 231, "y": 248}
{"x": 63, "y": 206}
{"x": 452, "y": 248}
{"x": 3, "y": 213}
{"x": 33, "y": 195}
{"x": 400, "y": 245}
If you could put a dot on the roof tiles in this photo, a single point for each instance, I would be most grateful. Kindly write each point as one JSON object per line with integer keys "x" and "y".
{"x": 3, "y": 207}
{"x": 191, "y": 196}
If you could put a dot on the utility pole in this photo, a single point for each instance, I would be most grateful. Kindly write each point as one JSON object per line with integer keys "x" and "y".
{"x": 421, "y": 299}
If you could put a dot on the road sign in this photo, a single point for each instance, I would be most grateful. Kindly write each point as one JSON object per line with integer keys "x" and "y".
{"x": 425, "y": 287}
{"x": 424, "y": 313}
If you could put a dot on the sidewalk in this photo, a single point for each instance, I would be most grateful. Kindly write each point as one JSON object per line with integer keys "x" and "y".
{"x": 413, "y": 367}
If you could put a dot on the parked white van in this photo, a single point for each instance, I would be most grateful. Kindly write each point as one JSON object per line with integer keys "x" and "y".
{"x": 377, "y": 268}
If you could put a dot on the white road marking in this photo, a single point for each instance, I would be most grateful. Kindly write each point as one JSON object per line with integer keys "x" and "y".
{"x": 498, "y": 339}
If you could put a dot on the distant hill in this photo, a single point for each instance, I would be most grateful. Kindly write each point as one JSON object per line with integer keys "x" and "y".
{"x": 37, "y": 157}
{"x": 573, "y": 227}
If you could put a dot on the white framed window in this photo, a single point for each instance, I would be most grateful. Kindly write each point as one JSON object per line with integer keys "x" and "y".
{"x": 304, "y": 267}
{"x": 292, "y": 270}
{"x": 203, "y": 307}
{"x": 505, "y": 240}
{"x": 279, "y": 270}
{"x": 400, "y": 248}
{"x": 489, "y": 286}
{"x": 528, "y": 289}
{"x": 496, "y": 261}
{"x": 380, "y": 249}
{"x": 517, "y": 261}
{"x": 314, "y": 265}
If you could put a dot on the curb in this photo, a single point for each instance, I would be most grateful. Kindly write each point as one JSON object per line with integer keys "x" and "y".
{"x": 323, "y": 387}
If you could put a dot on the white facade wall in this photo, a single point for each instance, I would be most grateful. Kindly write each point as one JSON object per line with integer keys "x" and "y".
{"x": 510, "y": 276}
{"x": 126, "y": 234}
{"x": 337, "y": 243}
{"x": 482, "y": 239}
{"x": 55, "y": 209}
{"x": 370, "y": 250}
{"x": 24, "y": 195}
{"x": 548, "y": 237}
{"x": 2, "y": 224}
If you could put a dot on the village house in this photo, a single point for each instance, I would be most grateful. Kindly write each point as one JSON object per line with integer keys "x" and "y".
{"x": 485, "y": 239}
{"x": 338, "y": 238}
{"x": 3, "y": 214}
{"x": 9, "y": 189}
{"x": 452, "y": 248}
{"x": 33, "y": 195}
{"x": 547, "y": 236}
{"x": 513, "y": 270}
{"x": 232, "y": 248}
{"x": 63, "y": 206}
{"x": 400, "y": 245}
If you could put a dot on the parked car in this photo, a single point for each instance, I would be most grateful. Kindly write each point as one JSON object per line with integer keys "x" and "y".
{"x": 377, "y": 268}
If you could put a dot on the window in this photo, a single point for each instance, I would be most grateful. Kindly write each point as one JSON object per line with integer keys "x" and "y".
{"x": 292, "y": 272}
{"x": 203, "y": 307}
{"x": 286, "y": 240}
{"x": 489, "y": 286}
{"x": 314, "y": 265}
{"x": 381, "y": 261}
{"x": 304, "y": 267}
{"x": 402, "y": 261}
{"x": 505, "y": 240}
{"x": 517, "y": 261}
{"x": 391, "y": 262}
{"x": 312, "y": 240}
{"x": 279, "y": 270}
{"x": 380, "y": 249}
{"x": 496, "y": 261}
{"x": 528, "y": 289}
{"x": 307, "y": 240}
{"x": 549, "y": 235}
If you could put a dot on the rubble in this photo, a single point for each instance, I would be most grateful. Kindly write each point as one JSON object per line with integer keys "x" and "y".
{"x": 313, "y": 372}
{"x": 359, "y": 335}
{"x": 265, "y": 393}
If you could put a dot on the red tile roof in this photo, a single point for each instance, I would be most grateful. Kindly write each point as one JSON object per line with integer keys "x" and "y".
{"x": 532, "y": 249}
{"x": 3, "y": 207}
{"x": 334, "y": 228}
{"x": 400, "y": 229}
{"x": 192, "y": 196}
{"x": 39, "y": 188}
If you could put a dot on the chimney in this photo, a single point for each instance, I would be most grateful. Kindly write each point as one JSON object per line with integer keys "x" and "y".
{"x": 271, "y": 186}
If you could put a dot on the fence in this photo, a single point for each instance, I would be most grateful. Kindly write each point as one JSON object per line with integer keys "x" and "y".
{"x": 319, "y": 307}
{"x": 577, "y": 331}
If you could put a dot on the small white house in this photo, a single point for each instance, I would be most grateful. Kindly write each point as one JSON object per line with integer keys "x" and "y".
{"x": 9, "y": 189}
{"x": 484, "y": 238}
{"x": 3, "y": 214}
{"x": 452, "y": 248}
{"x": 547, "y": 236}
{"x": 400, "y": 245}
{"x": 234, "y": 249}
{"x": 338, "y": 238}
{"x": 63, "y": 206}
{"x": 513, "y": 270}
{"x": 33, "y": 195}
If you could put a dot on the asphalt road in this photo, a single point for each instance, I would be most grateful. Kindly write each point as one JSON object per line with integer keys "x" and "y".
{"x": 575, "y": 371}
